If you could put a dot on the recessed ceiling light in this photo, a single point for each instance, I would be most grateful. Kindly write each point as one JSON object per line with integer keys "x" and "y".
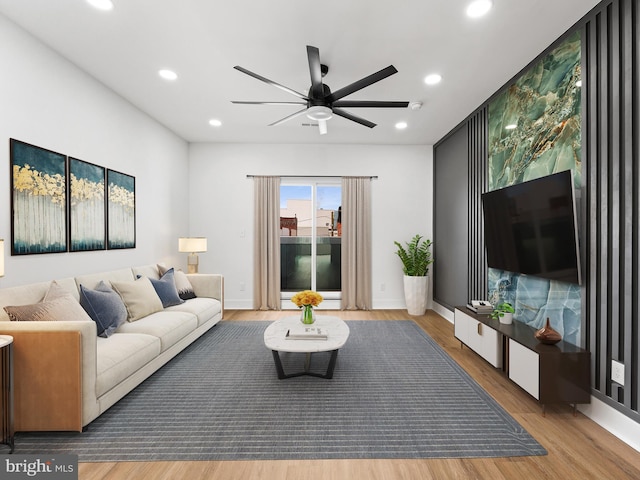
{"x": 512, "y": 126}
{"x": 214, "y": 122}
{"x": 432, "y": 79}
{"x": 168, "y": 74}
{"x": 478, "y": 8}
{"x": 401, "y": 125}
{"x": 101, "y": 4}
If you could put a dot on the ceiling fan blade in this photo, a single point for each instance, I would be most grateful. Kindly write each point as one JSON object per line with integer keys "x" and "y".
{"x": 353, "y": 118}
{"x": 362, "y": 83}
{"x": 271, "y": 82}
{"x": 370, "y": 104}
{"x": 315, "y": 70}
{"x": 241, "y": 102}
{"x": 322, "y": 126}
{"x": 293, "y": 115}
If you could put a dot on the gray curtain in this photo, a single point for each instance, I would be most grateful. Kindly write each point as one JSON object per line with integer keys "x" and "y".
{"x": 266, "y": 257}
{"x": 356, "y": 243}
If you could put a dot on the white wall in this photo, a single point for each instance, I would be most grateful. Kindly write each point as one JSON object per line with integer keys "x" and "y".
{"x": 221, "y": 204}
{"x": 48, "y": 102}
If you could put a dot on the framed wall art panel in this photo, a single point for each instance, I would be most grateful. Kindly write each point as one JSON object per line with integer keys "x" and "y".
{"x": 38, "y": 200}
{"x": 87, "y": 205}
{"x": 121, "y": 210}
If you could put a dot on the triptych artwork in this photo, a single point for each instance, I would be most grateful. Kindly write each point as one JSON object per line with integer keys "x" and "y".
{"x": 62, "y": 204}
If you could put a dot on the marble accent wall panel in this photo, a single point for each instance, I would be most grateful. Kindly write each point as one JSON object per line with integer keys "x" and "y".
{"x": 534, "y": 125}
{"x": 534, "y": 130}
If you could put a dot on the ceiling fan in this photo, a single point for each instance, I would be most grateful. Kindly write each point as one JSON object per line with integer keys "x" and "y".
{"x": 320, "y": 103}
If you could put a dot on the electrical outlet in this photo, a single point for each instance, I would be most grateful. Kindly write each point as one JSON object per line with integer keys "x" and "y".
{"x": 383, "y": 287}
{"x": 617, "y": 372}
{"x": 242, "y": 286}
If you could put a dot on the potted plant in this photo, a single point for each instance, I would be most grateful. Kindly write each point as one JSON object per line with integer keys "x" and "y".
{"x": 503, "y": 312}
{"x": 416, "y": 258}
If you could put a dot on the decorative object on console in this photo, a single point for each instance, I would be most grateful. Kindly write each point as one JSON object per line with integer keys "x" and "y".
{"x": 192, "y": 245}
{"x": 548, "y": 335}
{"x": 416, "y": 259}
{"x": 480, "y": 307}
{"x": 504, "y": 313}
{"x": 306, "y": 300}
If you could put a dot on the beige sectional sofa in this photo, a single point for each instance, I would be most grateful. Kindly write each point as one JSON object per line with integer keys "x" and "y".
{"x": 65, "y": 375}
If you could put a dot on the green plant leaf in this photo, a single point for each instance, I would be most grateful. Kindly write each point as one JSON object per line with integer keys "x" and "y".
{"x": 416, "y": 257}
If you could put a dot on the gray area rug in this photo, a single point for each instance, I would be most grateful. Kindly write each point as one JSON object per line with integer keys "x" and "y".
{"x": 395, "y": 394}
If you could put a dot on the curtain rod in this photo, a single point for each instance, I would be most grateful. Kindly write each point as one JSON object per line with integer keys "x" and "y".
{"x": 314, "y": 176}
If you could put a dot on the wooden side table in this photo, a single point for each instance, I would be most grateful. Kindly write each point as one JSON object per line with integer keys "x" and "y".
{"x": 6, "y": 391}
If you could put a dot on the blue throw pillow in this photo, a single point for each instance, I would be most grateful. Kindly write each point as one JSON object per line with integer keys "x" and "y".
{"x": 105, "y": 307}
{"x": 166, "y": 289}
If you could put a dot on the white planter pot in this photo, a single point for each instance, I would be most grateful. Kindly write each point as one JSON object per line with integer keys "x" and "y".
{"x": 415, "y": 294}
{"x": 507, "y": 318}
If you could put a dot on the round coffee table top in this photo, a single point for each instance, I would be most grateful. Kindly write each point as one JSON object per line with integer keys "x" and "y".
{"x": 337, "y": 335}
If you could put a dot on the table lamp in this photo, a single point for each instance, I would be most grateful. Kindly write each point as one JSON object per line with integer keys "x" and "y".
{"x": 192, "y": 245}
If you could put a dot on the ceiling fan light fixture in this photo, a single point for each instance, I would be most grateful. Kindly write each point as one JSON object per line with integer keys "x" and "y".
{"x": 319, "y": 113}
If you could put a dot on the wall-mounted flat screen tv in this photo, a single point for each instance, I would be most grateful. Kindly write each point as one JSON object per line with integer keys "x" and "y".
{"x": 531, "y": 228}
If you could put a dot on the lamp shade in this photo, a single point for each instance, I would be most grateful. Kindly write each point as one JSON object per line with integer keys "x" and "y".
{"x": 1, "y": 257}
{"x": 192, "y": 244}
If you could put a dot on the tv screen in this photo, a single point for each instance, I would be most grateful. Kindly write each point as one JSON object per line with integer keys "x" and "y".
{"x": 530, "y": 228}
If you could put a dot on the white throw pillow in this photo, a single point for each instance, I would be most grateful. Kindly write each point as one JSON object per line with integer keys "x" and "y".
{"x": 139, "y": 297}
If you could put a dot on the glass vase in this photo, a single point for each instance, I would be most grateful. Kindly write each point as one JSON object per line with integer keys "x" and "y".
{"x": 308, "y": 316}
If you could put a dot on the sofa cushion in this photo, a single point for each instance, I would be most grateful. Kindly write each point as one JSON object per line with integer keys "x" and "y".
{"x": 203, "y": 308}
{"x": 93, "y": 279}
{"x": 105, "y": 307}
{"x": 139, "y": 297}
{"x": 183, "y": 285}
{"x": 166, "y": 289}
{"x": 169, "y": 327}
{"x": 120, "y": 356}
{"x": 57, "y": 304}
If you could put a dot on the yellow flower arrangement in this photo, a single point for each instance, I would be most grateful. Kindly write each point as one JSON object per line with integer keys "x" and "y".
{"x": 307, "y": 297}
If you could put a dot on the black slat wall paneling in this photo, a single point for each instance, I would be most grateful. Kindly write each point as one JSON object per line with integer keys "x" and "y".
{"x": 451, "y": 220}
{"x": 610, "y": 301}
{"x": 478, "y": 153}
{"x": 633, "y": 36}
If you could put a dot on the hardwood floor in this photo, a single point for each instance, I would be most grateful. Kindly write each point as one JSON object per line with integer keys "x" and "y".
{"x": 578, "y": 448}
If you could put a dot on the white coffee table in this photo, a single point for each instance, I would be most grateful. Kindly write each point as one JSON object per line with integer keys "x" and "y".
{"x": 275, "y": 339}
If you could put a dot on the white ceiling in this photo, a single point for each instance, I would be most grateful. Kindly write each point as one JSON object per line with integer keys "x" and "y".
{"x": 202, "y": 40}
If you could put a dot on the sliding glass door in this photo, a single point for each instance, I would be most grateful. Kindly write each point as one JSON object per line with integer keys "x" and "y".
{"x": 310, "y": 230}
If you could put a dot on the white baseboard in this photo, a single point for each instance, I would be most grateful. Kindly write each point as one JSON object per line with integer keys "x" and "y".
{"x": 612, "y": 420}
{"x": 442, "y": 311}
